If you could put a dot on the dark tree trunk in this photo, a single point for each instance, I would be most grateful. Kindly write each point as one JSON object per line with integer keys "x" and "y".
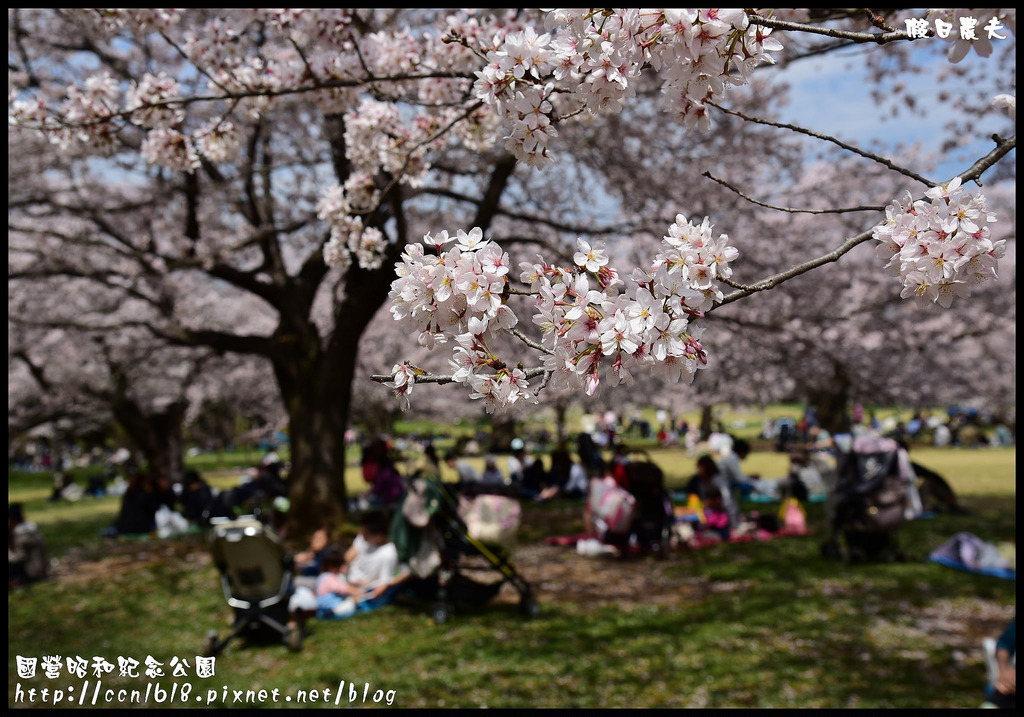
{"x": 315, "y": 378}
{"x": 561, "y": 407}
{"x": 503, "y": 430}
{"x": 832, "y": 401}
{"x": 707, "y": 418}
{"x": 158, "y": 436}
{"x": 317, "y": 477}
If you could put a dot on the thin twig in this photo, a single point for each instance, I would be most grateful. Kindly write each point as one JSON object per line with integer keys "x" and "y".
{"x": 858, "y": 37}
{"x": 791, "y": 210}
{"x": 828, "y": 138}
{"x": 772, "y": 281}
{"x": 530, "y": 342}
{"x": 1002, "y": 148}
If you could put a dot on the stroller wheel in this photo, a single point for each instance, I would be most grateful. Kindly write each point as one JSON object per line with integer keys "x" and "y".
{"x": 293, "y": 639}
{"x": 440, "y": 613}
{"x": 210, "y": 645}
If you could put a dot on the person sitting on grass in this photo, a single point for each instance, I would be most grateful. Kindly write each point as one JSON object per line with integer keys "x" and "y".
{"x": 1003, "y": 693}
{"x": 492, "y": 475}
{"x": 703, "y": 481}
{"x": 308, "y": 561}
{"x": 373, "y": 565}
{"x": 535, "y": 478}
{"x": 26, "y": 549}
{"x": 468, "y": 475}
{"x": 137, "y": 515}
{"x": 334, "y": 594}
{"x": 381, "y": 473}
{"x": 567, "y": 478}
{"x": 371, "y": 576}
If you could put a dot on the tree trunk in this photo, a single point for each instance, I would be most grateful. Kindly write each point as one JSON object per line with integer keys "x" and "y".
{"x": 707, "y": 418}
{"x": 316, "y": 397}
{"x": 503, "y": 430}
{"x": 315, "y": 378}
{"x": 317, "y": 478}
{"x": 158, "y": 436}
{"x": 831, "y": 402}
{"x": 561, "y": 408}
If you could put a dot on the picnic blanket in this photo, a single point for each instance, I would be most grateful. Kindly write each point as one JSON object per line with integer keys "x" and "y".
{"x": 762, "y": 498}
{"x": 969, "y": 553}
{"x": 759, "y": 535}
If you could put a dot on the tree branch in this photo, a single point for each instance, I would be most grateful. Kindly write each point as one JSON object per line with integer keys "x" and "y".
{"x": 828, "y": 138}
{"x": 791, "y": 210}
{"x": 881, "y": 38}
{"x": 1003, "y": 147}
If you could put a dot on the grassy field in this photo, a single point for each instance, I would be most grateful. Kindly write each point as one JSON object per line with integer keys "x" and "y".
{"x": 755, "y": 625}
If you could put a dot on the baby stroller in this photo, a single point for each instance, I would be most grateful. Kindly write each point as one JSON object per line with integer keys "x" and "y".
{"x": 256, "y": 575}
{"x": 869, "y": 501}
{"x": 445, "y": 550}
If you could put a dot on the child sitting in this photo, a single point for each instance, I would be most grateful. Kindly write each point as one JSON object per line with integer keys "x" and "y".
{"x": 364, "y": 578}
{"x": 334, "y": 595}
{"x": 373, "y": 569}
{"x": 308, "y": 561}
{"x": 715, "y": 514}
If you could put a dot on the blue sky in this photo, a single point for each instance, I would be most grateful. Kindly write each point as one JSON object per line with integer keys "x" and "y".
{"x": 830, "y": 94}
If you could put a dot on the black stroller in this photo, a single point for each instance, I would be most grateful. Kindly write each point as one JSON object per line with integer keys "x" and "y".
{"x": 256, "y": 576}
{"x": 869, "y": 501}
{"x": 445, "y": 554}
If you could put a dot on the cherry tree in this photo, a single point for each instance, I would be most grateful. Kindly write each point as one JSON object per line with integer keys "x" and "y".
{"x": 80, "y": 379}
{"x": 597, "y": 327}
{"x": 34, "y": 405}
{"x": 287, "y": 160}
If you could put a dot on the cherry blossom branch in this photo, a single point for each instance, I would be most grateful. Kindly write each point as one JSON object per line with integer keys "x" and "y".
{"x": 442, "y": 379}
{"x": 1003, "y": 147}
{"x": 530, "y": 342}
{"x": 828, "y": 138}
{"x": 856, "y": 37}
{"x": 646, "y": 321}
{"x": 250, "y": 93}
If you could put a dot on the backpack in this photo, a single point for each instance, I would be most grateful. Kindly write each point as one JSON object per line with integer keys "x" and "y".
{"x": 616, "y": 509}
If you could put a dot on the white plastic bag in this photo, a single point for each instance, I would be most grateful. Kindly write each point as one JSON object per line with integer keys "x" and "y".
{"x": 170, "y": 523}
{"x": 491, "y": 518}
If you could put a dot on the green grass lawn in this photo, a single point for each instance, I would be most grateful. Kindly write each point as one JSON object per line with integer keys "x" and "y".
{"x": 754, "y": 625}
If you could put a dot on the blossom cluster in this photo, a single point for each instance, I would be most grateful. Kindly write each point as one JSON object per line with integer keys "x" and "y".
{"x": 594, "y": 324}
{"x": 150, "y": 101}
{"x": 458, "y": 294}
{"x": 969, "y": 29}
{"x": 342, "y": 208}
{"x": 941, "y": 247}
{"x": 591, "y": 61}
